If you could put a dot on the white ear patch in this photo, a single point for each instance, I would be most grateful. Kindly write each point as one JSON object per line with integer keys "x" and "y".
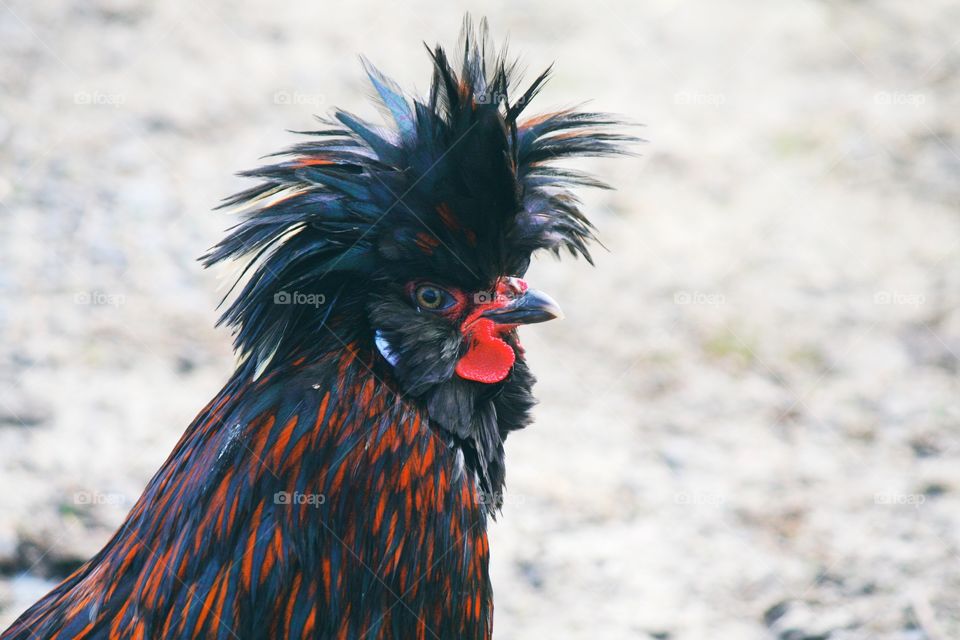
{"x": 384, "y": 348}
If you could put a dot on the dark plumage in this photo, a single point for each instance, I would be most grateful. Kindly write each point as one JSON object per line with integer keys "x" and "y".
{"x": 339, "y": 485}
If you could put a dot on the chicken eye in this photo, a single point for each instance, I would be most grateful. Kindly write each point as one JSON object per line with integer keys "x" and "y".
{"x": 432, "y": 298}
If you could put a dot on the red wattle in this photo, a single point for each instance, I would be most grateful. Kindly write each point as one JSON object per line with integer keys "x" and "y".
{"x": 489, "y": 358}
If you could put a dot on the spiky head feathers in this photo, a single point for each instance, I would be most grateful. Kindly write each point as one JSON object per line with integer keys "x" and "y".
{"x": 457, "y": 186}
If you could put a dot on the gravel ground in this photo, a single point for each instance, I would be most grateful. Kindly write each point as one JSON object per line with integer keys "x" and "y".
{"x": 748, "y": 425}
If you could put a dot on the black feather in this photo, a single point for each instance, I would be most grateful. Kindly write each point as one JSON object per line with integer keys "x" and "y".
{"x": 457, "y": 166}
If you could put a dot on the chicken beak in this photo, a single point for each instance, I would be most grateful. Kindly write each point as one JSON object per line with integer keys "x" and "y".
{"x": 529, "y": 308}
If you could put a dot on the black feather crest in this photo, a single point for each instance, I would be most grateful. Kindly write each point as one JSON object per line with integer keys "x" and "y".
{"x": 457, "y": 186}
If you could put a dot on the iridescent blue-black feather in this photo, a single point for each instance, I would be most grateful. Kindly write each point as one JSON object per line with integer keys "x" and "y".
{"x": 459, "y": 165}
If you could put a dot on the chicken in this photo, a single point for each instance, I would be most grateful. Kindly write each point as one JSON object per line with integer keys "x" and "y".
{"x": 340, "y": 484}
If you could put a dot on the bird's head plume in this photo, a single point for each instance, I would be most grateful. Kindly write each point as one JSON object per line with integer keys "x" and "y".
{"x": 415, "y": 235}
{"x": 457, "y": 188}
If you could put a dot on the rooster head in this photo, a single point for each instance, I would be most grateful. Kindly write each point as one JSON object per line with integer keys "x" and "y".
{"x": 414, "y": 237}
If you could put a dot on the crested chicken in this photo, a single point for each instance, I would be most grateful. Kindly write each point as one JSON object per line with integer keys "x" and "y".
{"x": 340, "y": 484}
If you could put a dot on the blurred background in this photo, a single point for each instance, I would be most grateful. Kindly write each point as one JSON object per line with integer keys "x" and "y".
{"x": 748, "y": 421}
